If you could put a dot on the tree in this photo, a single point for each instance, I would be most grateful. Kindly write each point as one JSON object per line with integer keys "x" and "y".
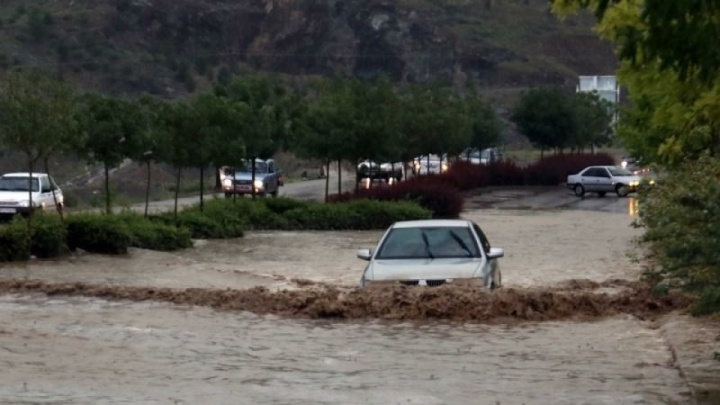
{"x": 36, "y": 118}
{"x": 677, "y": 36}
{"x": 215, "y": 125}
{"x": 486, "y": 127}
{"x": 547, "y": 117}
{"x": 669, "y": 66}
{"x": 175, "y": 151}
{"x": 594, "y": 119}
{"x": 150, "y": 137}
{"x": 434, "y": 120}
{"x": 328, "y": 129}
{"x": 266, "y": 96}
{"x": 111, "y": 127}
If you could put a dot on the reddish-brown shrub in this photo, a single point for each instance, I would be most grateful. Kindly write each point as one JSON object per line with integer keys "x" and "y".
{"x": 434, "y": 193}
{"x": 440, "y": 193}
{"x": 553, "y": 170}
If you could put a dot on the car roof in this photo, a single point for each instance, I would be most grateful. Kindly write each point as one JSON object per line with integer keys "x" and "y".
{"x": 23, "y": 174}
{"x": 432, "y": 223}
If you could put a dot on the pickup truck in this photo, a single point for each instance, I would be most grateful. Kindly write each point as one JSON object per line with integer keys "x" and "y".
{"x": 14, "y": 195}
{"x": 267, "y": 179}
{"x": 369, "y": 169}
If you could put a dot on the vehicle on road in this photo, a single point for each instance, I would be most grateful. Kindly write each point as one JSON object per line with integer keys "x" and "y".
{"x": 634, "y": 165}
{"x": 240, "y": 180}
{"x": 481, "y": 157}
{"x": 603, "y": 180}
{"x": 430, "y": 164}
{"x": 15, "y": 197}
{"x": 432, "y": 253}
{"x": 387, "y": 172}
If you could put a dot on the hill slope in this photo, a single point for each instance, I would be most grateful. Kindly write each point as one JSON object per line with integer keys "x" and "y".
{"x": 172, "y": 47}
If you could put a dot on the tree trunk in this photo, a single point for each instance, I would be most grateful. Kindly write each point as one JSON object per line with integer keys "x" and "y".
{"x": 177, "y": 190}
{"x": 202, "y": 187}
{"x": 30, "y": 199}
{"x": 218, "y": 183}
{"x": 327, "y": 180}
{"x": 147, "y": 189}
{"x": 107, "y": 189}
{"x": 252, "y": 186}
{"x": 234, "y": 194}
{"x": 339, "y": 163}
{"x": 52, "y": 188}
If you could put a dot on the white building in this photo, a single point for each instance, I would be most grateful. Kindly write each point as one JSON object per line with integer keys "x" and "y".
{"x": 606, "y": 86}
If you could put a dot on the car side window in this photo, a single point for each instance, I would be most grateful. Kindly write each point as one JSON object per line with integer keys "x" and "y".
{"x": 603, "y": 172}
{"x": 590, "y": 173}
{"x": 483, "y": 239}
{"x": 271, "y": 167}
{"x": 45, "y": 185}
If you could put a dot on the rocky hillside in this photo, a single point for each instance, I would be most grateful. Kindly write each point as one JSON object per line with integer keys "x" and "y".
{"x": 172, "y": 47}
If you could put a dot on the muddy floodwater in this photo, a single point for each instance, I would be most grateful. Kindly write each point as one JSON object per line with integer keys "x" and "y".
{"x": 540, "y": 249}
{"x": 130, "y": 340}
{"x": 89, "y": 351}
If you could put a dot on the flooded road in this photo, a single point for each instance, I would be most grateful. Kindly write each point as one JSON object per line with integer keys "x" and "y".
{"x": 90, "y": 351}
{"x": 129, "y": 341}
{"x": 540, "y": 249}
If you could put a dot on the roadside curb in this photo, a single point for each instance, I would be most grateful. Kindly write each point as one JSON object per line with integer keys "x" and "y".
{"x": 693, "y": 342}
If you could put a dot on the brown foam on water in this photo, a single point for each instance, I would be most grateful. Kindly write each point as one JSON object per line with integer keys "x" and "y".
{"x": 574, "y": 299}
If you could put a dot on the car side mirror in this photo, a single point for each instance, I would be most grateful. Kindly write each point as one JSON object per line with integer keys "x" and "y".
{"x": 364, "y": 254}
{"x": 496, "y": 253}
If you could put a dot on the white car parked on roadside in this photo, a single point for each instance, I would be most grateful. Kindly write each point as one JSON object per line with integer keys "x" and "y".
{"x": 15, "y": 196}
{"x": 431, "y": 253}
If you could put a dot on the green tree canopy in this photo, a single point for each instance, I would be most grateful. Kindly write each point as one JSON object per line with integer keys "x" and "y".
{"x": 111, "y": 128}
{"x": 547, "y": 117}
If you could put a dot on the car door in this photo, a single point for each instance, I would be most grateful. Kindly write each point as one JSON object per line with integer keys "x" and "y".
{"x": 488, "y": 264}
{"x": 46, "y": 197}
{"x": 589, "y": 179}
{"x": 604, "y": 180}
{"x": 272, "y": 182}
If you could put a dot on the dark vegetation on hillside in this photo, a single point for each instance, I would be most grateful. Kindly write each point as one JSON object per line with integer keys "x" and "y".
{"x": 172, "y": 47}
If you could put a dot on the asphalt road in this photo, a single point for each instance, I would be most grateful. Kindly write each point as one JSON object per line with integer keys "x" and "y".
{"x": 550, "y": 198}
{"x": 305, "y": 190}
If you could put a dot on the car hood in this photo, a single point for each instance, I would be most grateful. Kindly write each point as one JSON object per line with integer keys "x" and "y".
{"x": 424, "y": 269}
{"x": 628, "y": 179}
{"x": 248, "y": 176}
{"x": 14, "y": 195}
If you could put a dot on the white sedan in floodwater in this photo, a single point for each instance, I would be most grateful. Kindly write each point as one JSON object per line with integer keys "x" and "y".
{"x": 431, "y": 253}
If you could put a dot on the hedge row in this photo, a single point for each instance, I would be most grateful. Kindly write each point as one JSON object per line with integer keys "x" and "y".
{"x": 221, "y": 218}
{"x": 441, "y": 193}
{"x": 50, "y": 237}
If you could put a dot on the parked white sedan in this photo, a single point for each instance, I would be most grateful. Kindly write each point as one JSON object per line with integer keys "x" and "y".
{"x": 602, "y": 180}
{"x": 431, "y": 253}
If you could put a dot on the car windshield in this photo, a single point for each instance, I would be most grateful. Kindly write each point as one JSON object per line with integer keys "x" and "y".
{"x": 17, "y": 184}
{"x": 246, "y": 167}
{"x": 618, "y": 171}
{"x": 431, "y": 242}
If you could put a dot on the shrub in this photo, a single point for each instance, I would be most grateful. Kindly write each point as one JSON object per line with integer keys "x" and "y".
{"x": 199, "y": 225}
{"x": 681, "y": 217}
{"x": 14, "y": 241}
{"x": 553, "y": 170}
{"x": 434, "y": 193}
{"x": 98, "y": 233}
{"x": 281, "y": 205}
{"x": 49, "y": 236}
{"x": 155, "y": 235}
{"x": 359, "y": 214}
{"x": 246, "y": 213}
